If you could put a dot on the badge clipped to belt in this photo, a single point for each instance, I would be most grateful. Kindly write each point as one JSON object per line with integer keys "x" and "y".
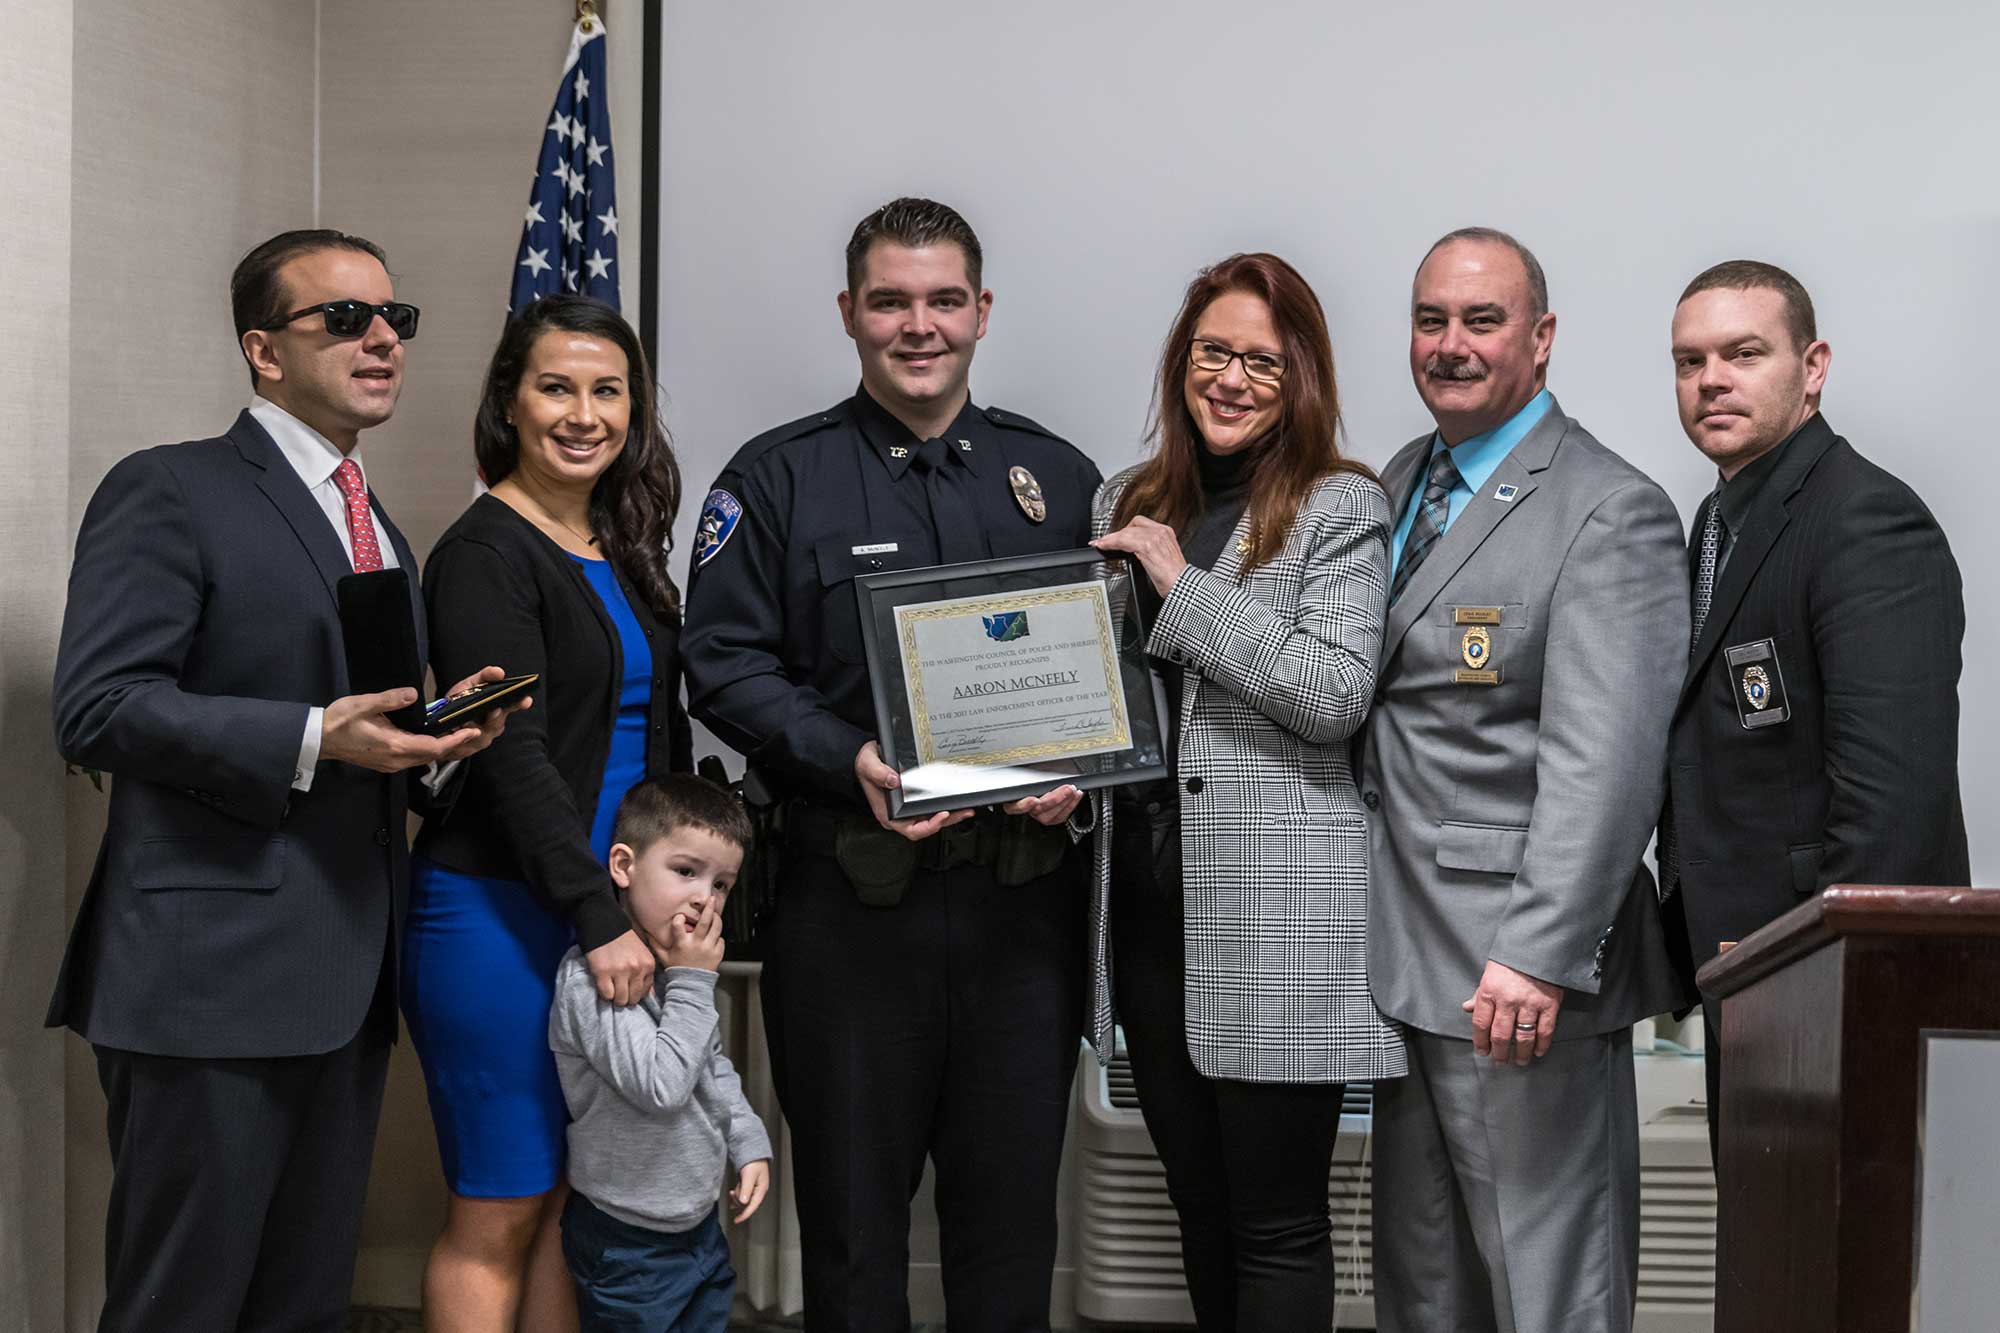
{"x": 1757, "y": 684}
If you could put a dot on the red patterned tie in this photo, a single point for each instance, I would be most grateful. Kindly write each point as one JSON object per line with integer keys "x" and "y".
{"x": 360, "y": 523}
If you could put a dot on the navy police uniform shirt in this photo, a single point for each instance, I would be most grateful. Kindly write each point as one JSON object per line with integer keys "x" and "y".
{"x": 772, "y": 642}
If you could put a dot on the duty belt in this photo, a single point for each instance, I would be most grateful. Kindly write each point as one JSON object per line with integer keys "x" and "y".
{"x": 814, "y": 828}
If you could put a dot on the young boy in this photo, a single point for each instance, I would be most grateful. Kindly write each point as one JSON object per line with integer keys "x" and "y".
{"x": 656, "y": 1111}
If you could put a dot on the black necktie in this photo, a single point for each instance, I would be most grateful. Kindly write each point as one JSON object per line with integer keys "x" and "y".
{"x": 954, "y": 518}
{"x": 1707, "y": 547}
{"x": 1430, "y": 521}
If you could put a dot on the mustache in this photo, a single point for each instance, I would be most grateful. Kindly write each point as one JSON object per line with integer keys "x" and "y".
{"x": 1472, "y": 368}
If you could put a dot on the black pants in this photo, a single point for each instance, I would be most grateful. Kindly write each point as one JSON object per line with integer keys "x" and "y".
{"x": 237, "y": 1185}
{"x": 946, "y": 1026}
{"x": 1246, "y": 1163}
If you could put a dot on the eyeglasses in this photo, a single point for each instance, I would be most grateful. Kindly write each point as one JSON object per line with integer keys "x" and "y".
{"x": 350, "y": 319}
{"x": 1266, "y": 366}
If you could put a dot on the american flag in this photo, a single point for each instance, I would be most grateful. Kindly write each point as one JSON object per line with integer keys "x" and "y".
{"x": 570, "y": 240}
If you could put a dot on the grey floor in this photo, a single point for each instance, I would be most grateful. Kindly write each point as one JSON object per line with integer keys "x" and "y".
{"x": 370, "y": 1320}
{"x": 363, "y": 1320}
{"x": 409, "y": 1321}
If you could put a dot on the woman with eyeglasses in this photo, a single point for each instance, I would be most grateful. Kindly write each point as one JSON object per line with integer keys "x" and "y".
{"x": 561, "y": 571}
{"x": 1232, "y": 896}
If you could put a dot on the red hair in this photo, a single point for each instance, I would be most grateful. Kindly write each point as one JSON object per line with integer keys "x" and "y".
{"x": 1305, "y": 445}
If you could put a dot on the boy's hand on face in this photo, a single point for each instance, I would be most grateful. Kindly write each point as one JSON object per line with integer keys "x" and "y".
{"x": 750, "y": 1188}
{"x": 696, "y": 941}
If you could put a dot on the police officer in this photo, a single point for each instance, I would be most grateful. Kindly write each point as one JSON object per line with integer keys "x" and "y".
{"x": 923, "y": 989}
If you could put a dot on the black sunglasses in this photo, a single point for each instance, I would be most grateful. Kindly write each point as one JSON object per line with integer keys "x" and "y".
{"x": 350, "y": 319}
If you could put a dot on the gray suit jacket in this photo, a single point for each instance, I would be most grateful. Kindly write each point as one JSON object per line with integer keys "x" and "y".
{"x": 1274, "y": 851}
{"x": 1508, "y": 821}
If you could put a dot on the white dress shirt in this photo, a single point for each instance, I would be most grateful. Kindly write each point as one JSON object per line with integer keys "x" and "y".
{"x": 314, "y": 458}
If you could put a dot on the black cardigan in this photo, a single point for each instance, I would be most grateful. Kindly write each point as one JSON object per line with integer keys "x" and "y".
{"x": 501, "y": 593}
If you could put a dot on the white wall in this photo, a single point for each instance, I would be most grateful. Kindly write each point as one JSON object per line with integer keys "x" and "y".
{"x": 1106, "y": 151}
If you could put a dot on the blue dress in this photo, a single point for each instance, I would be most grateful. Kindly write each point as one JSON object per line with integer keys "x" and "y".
{"x": 479, "y": 965}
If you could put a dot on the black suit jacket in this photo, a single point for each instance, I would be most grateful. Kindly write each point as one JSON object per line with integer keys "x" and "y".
{"x": 1844, "y": 569}
{"x": 228, "y": 915}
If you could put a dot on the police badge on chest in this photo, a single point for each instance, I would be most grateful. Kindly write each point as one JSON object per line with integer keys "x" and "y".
{"x": 1757, "y": 684}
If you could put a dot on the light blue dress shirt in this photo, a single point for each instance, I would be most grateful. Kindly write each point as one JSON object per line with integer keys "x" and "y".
{"x": 1475, "y": 458}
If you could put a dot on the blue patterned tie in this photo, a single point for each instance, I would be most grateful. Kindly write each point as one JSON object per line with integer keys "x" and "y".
{"x": 1429, "y": 525}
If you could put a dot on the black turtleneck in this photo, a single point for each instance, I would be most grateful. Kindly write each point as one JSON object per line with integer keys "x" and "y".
{"x": 1225, "y": 493}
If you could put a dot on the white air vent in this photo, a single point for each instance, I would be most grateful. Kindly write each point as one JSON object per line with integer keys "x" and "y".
{"x": 1128, "y": 1260}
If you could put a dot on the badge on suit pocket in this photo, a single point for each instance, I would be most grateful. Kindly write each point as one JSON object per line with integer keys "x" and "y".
{"x": 1757, "y": 684}
{"x": 1476, "y": 645}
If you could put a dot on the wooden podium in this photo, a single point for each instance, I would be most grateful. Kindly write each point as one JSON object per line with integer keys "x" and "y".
{"x": 1825, "y": 1017}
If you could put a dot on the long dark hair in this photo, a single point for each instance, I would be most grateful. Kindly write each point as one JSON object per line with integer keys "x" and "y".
{"x": 632, "y": 507}
{"x": 1304, "y": 447}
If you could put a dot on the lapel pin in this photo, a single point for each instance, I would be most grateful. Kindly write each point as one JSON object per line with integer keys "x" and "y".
{"x": 1506, "y": 492}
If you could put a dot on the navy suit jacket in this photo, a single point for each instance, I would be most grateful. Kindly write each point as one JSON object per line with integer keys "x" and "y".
{"x": 228, "y": 915}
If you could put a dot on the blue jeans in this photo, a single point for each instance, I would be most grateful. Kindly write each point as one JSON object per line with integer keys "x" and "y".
{"x": 632, "y": 1280}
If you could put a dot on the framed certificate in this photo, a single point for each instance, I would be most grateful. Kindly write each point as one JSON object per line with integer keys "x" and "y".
{"x": 1006, "y": 678}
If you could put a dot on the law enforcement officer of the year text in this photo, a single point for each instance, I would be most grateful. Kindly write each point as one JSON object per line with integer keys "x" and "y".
{"x": 923, "y": 989}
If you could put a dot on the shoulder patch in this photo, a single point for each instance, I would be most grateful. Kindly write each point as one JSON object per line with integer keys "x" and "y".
{"x": 720, "y": 514}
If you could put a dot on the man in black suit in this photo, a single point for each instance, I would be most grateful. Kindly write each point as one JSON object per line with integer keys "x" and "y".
{"x": 1816, "y": 737}
{"x": 232, "y": 964}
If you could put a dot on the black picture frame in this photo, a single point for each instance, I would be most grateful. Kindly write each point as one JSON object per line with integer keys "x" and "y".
{"x": 879, "y": 595}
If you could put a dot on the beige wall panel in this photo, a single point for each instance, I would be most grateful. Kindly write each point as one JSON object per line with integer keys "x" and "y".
{"x": 193, "y": 140}
{"x": 429, "y": 149}
{"x": 35, "y": 68}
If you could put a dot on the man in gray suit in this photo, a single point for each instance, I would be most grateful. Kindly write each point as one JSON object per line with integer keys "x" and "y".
{"x": 1513, "y": 765}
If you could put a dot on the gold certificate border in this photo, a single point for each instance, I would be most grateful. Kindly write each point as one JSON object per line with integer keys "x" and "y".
{"x": 1117, "y": 737}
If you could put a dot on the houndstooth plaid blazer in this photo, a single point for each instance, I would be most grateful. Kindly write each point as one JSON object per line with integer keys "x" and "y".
{"x": 1279, "y": 669}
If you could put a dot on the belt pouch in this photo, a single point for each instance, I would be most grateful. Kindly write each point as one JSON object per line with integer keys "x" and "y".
{"x": 1028, "y": 851}
{"x": 877, "y": 863}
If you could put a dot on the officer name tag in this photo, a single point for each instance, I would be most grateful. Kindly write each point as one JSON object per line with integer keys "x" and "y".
{"x": 1465, "y": 677}
{"x": 1475, "y": 615}
{"x": 879, "y": 548}
{"x": 1757, "y": 684}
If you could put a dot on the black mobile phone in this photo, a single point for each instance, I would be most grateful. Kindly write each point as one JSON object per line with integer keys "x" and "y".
{"x": 378, "y": 630}
{"x": 453, "y": 712}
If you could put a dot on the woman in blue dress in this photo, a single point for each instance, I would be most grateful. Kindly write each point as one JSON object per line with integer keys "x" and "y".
{"x": 560, "y": 570}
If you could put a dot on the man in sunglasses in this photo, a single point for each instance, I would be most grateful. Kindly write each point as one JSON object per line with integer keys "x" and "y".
{"x": 233, "y": 961}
